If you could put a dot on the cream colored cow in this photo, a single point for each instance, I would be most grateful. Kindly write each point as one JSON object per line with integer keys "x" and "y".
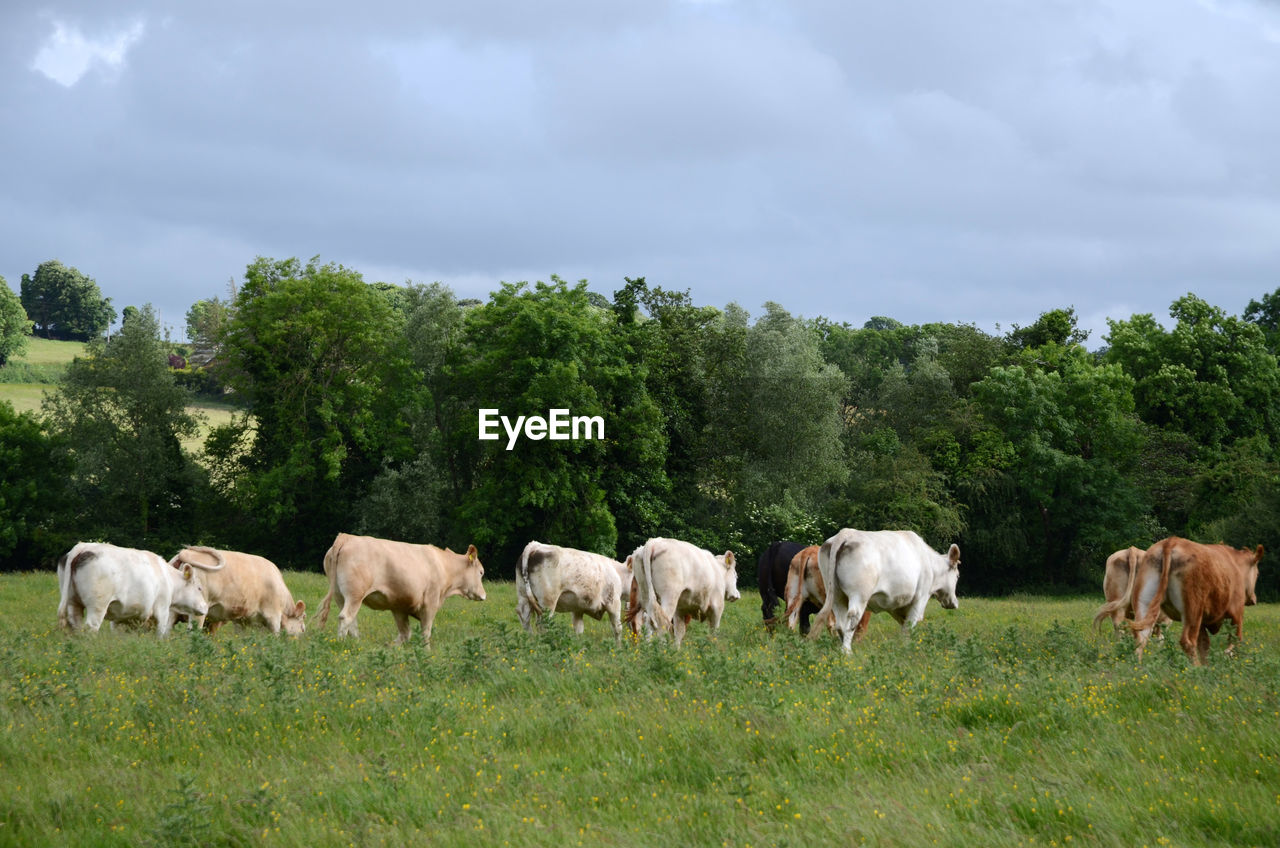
{"x": 249, "y": 588}
{"x": 553, "y": 579}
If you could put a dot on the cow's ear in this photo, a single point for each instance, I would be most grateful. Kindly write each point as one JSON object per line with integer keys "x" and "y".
{"x": 953, "y": 555}
{"x": 1257, "y": 556}
{"x": 471, "y": 553}
{"x": 729, "y": 561}
{"x": 299, "y": 608}
{"x": 186, "y": 571}
{"x": 628, "y": 561}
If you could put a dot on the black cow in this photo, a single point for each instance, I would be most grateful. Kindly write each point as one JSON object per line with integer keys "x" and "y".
{"x": 771, "y": 571}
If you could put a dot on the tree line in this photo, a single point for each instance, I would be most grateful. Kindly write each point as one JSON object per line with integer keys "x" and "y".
{"x": 359, "y": 402}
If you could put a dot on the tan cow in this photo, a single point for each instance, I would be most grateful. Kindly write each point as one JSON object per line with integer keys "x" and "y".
{"x": 248, "y": 588}
{"x": 410, "y": 580}
{"x": 1120, "y": 568}
{"x": 1199, "y": 585}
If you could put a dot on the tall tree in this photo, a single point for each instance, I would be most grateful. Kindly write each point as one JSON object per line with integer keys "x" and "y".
{"x": 407, "y": 498}
{"x": 527, "y": 351}
{"x": 65, "y": 304}
{"x": 312, "y": 351}
{"x": 122, "y": 416}
{"x": 14, "y": 326}
{"x": 32, "y": 491}
{"x": 1074, "y": 437}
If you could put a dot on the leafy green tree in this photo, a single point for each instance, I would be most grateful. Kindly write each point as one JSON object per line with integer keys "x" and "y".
{"x": 14, "y": 326}
{"x": 1266, "y": 314}
{"x": 311, "y": 349}
{"x": 1071, "y": 426}
{"x": 1058, "y": 326}
{"x": 526, "y": 351}
{"x": 406, "y": 499}
{"x": 205, "y": 321}
{"x": 32, "y": 492}
{"x": 1212, "y": 376}
{"x": 122, "y": 417}
{"x": 776, "y": 408}
{"x": 65, "y": 304}
{"x": 666, "y": 336}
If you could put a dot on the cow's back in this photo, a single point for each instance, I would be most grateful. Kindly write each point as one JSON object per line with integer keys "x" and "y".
{"x": 384, "y": 571}
{"x": 245, "y": 585}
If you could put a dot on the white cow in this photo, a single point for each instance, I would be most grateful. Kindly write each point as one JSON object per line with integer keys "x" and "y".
{"x": 677, "y": 581}
{"x": 893, "y": 571}
{"x": 249, "y": 589}
{"x": 553, "y": 579}
{"x": 98, "y": 581}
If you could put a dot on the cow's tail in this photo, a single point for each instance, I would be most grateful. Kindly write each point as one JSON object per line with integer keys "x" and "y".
{"x": 1152, "y": 615}
{"x": 795, "y": 585}
{"x": 524, "y": 589}
{"x": 183, "y": 557}
{"x": 330, "y": 571}
{"x": 1107, "y": 611}
{"x": 651, "y": 604}
{"x": 828, "y": 553}
{"x": 64, "y": 591}
{"x": 66, "y": 587}
{"x": 764, "y": 575}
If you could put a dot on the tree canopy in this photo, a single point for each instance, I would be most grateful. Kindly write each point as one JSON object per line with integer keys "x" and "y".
{"x": 65, "y": 304}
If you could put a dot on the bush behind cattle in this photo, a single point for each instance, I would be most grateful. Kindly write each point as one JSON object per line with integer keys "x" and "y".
{"x": 1003, "y": 722}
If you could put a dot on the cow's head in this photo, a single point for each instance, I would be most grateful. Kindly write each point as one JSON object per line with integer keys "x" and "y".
{"x": 294, "y": 620}
{"x": 470, "y": 586}
{"x": 946, "y": 590}
{"x": 188, "y": 593}
{"x": 730, "y": 577}
{"x": 1251, "y": 578}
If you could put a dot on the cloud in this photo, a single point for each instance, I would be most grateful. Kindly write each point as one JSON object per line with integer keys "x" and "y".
{"x": 68, "y": 54}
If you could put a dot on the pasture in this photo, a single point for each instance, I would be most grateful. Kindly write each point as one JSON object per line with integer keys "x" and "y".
{"x": 1006, "y": 722}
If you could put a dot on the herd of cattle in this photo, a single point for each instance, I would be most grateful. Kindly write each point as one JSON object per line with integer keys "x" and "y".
{"x": 659, "y": 588}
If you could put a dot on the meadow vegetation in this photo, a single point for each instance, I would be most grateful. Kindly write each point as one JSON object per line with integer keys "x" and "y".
{"x": 1006, "y": 722}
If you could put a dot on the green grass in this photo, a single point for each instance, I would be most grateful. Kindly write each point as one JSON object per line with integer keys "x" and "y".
{"x": 24, "y": 397}
{"x": 1006, "y": 722}
{"x": 47, "y": 352}
{"x": 25, "y": 380}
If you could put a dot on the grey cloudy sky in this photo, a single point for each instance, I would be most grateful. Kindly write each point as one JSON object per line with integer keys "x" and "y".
{"x": 925, "y": 160}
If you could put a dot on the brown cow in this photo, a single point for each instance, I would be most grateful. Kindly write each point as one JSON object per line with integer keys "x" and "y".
{"x": 1199, "y": 585}
{"x": 409, "y": 580}
{"x": 1120, "y": 568}
{"x": 248, "y": 588}
{"x": 804, "y": 583}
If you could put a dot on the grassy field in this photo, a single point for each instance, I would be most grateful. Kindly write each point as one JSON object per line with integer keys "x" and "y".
{"x": 24, "y": 382}
{"x": 1006, "y": 722}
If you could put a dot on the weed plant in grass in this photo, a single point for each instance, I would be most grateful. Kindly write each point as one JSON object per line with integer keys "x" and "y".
{"x": 1006, "y": 722}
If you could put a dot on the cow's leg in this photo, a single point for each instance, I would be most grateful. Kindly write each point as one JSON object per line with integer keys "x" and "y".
{"x": 347, "y": 615}
{"x": 863, "y": 624}
{"x": 402, "y": 626}
{"x": 215, "y": 626}
{"x": 93, "y": 617}
{"x": 615, "y": 621}
{"x": 525, "y": 611}
{"x": 1202, "y": 646}
{"x": 1192, "y": 635}
{"x": 844, "y": 616}
{"x": 1237, "y": 618}
{"x": 427, "y": 617}
{"x": 577, "y": 623}
{"x": 678, "y": 625}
